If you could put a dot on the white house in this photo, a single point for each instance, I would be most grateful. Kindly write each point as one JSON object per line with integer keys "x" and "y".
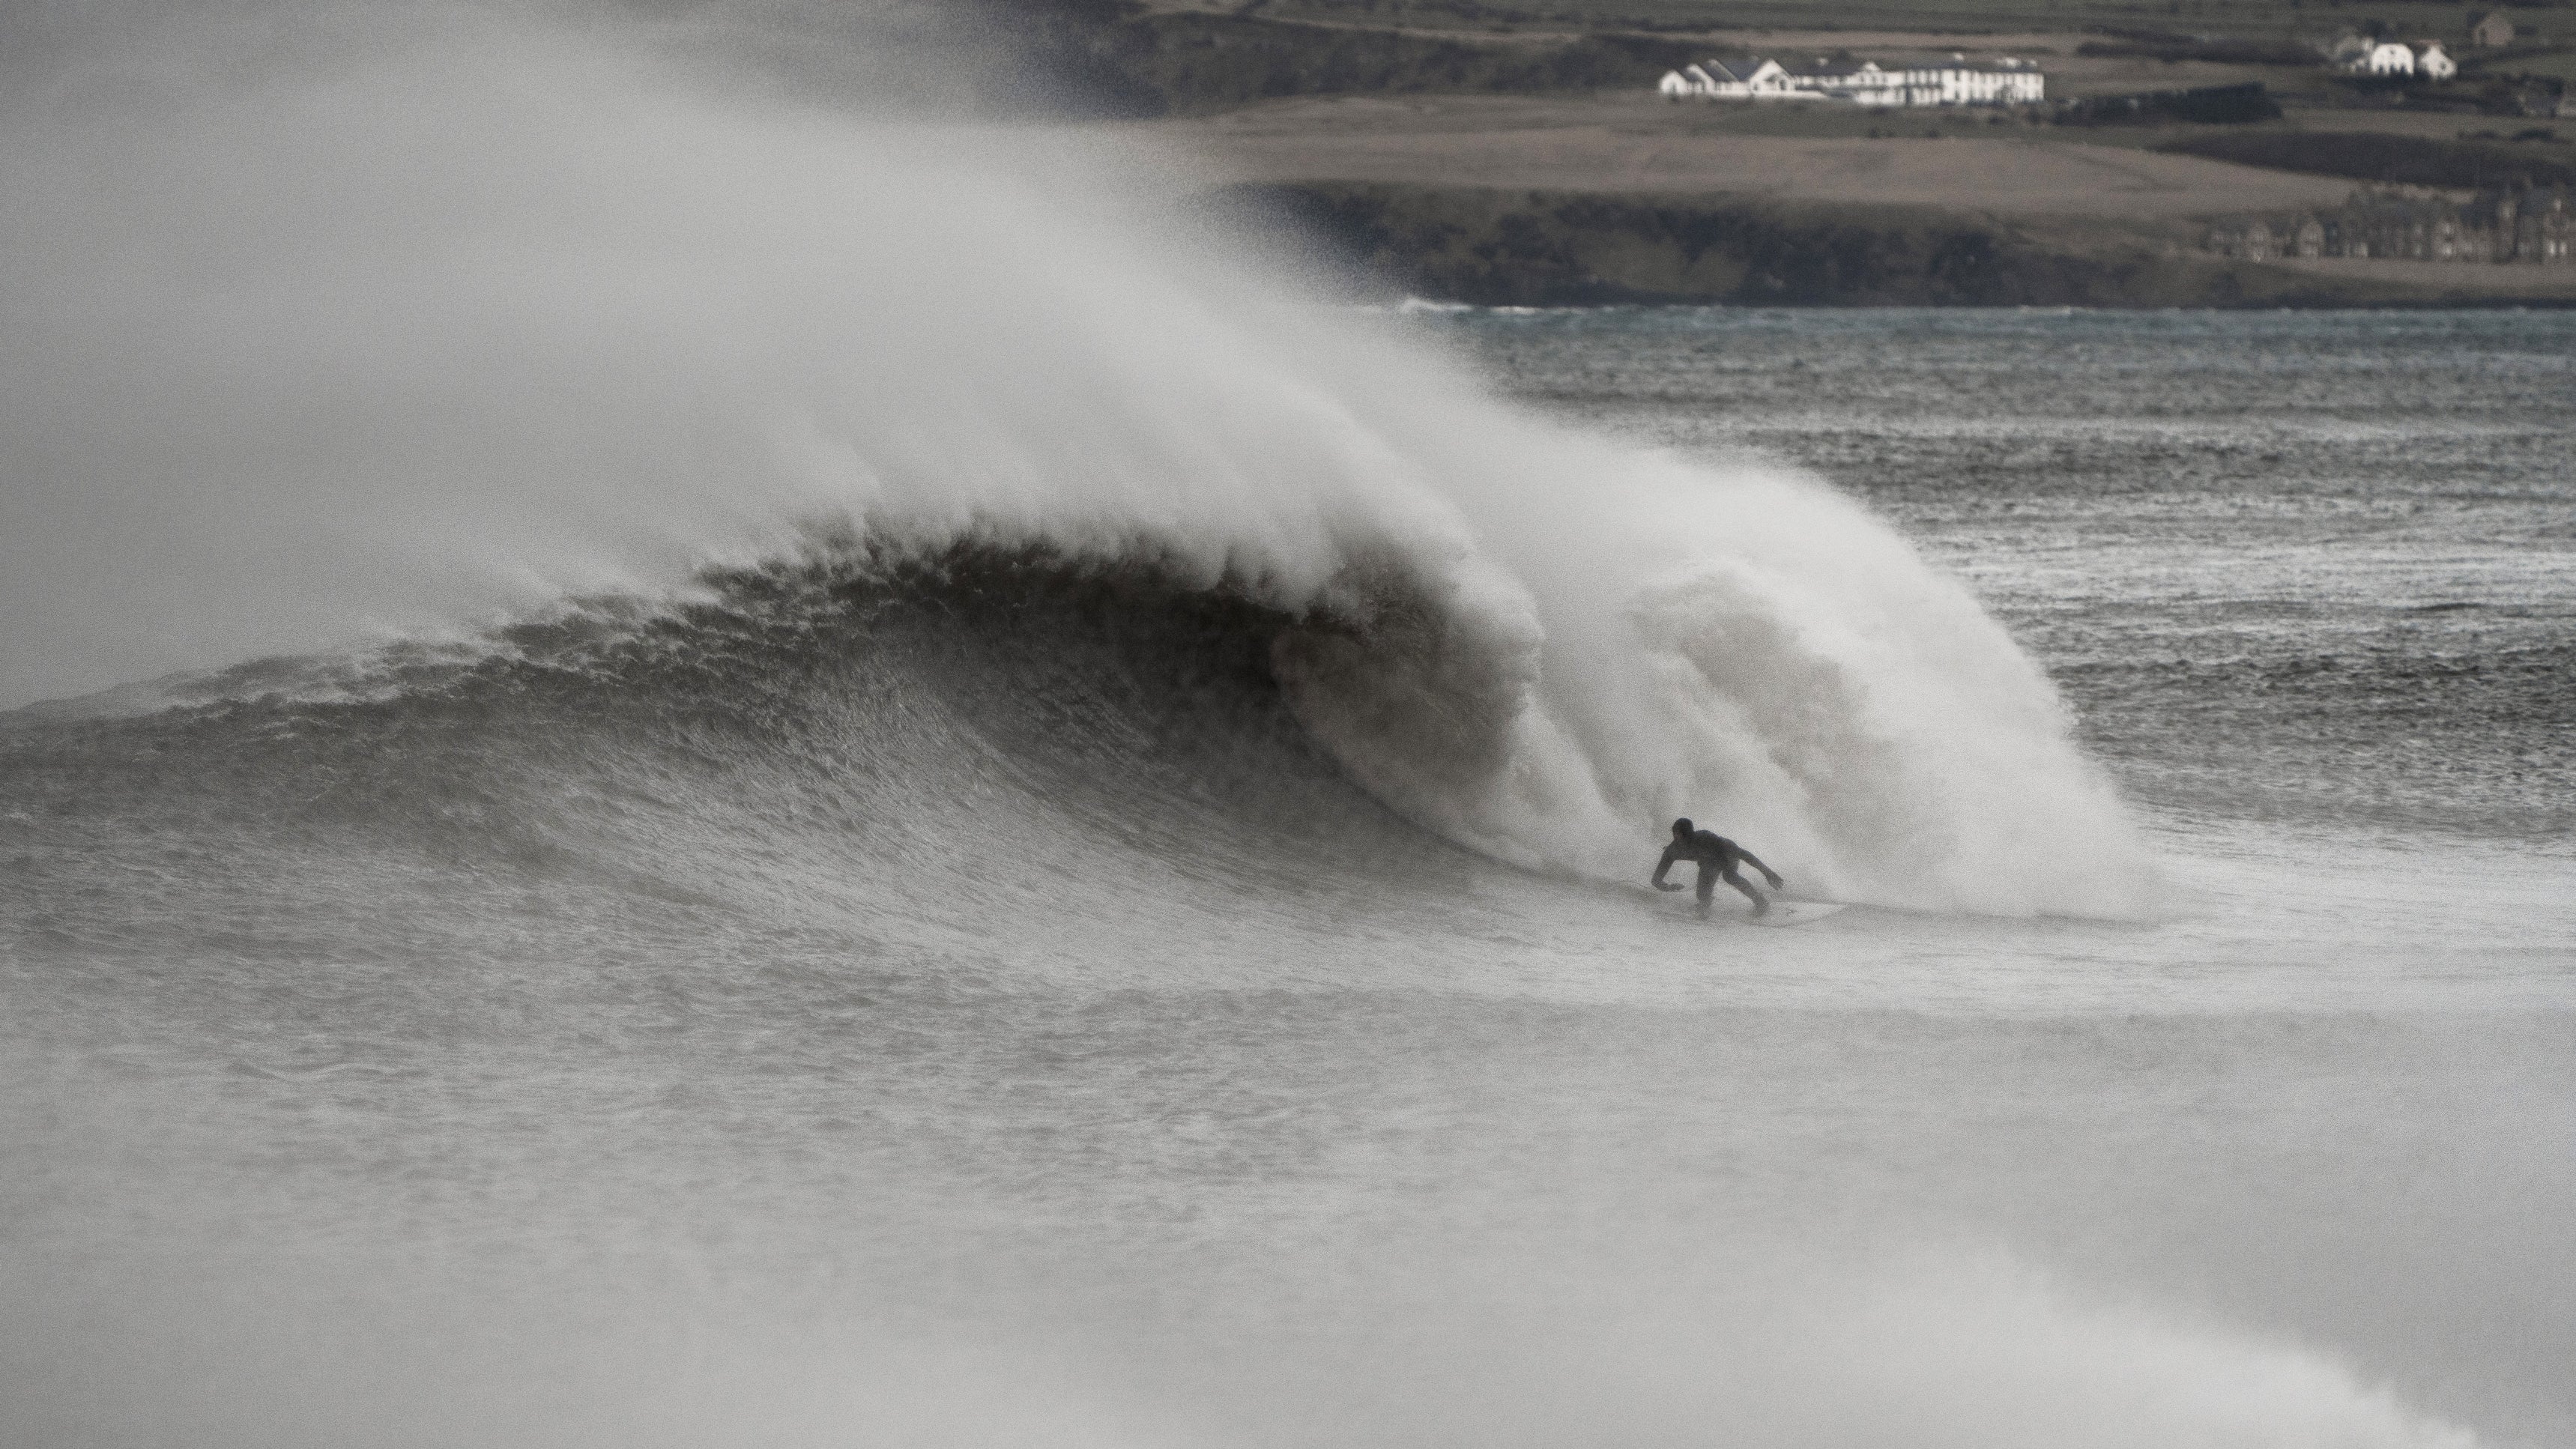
{"x": 2008, "y": 82}
{"x": 1717, "y": 80}
{"x": 1960, "y": 83}
{"x": 1863, "y": 83}
{"x": 2386, "y": 58}
{"x": 1761, "y": 81}
{"x": 2434, "y": 63}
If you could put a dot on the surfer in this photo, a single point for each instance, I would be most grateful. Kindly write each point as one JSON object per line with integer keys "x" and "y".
{"x": 1716, "y": 856}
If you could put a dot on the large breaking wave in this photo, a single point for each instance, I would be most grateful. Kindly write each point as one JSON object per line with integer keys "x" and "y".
{"x": 450, "y": 337}
{"x": 766, "y": 744}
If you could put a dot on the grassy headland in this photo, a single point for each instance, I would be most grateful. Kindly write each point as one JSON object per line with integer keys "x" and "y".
{"x": 1497, "y": 150}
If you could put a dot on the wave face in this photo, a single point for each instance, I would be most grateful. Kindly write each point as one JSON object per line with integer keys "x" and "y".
{"x": 445, "y": 337}
{"x": 964, "y": 762}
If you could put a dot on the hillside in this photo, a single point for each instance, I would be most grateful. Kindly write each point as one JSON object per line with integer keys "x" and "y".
{"x": 1519, "y": 153}
{"x": 1534, "y": 200}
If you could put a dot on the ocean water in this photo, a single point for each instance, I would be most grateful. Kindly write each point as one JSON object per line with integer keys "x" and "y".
{"x": 886, "y": 815}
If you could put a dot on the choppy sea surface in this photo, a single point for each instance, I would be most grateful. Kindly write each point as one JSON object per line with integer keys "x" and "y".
{"x": 992, "y": 1005}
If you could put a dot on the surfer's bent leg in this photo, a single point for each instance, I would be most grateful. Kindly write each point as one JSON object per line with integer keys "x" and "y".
{"x": 1760, "y": 904}
{"x": 1707, "y": 883}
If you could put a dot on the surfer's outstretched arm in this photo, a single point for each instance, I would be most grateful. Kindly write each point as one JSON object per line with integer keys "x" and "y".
{"x": 1661, "y": 867}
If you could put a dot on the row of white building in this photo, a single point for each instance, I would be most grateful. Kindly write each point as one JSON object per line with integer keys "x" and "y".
{"x": 1957, "y": 82}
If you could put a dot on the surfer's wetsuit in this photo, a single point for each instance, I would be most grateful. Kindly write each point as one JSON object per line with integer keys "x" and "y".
{"x": 1716, "y": 856}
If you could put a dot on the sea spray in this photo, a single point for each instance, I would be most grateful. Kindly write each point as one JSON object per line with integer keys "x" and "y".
{"x": 452, "y": 330}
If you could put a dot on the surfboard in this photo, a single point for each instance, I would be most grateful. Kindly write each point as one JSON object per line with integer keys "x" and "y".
{"x": 1794, "y": 913}
{"x": 1782, "y": 913}
{"x": 1732, "y": 910}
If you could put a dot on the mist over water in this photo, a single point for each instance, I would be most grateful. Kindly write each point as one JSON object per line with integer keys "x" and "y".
{"x": 494, "y": 321}
{"x": 767, "y": 777}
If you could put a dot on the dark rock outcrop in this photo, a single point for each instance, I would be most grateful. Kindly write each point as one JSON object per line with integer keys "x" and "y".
{"x": 1537, "y": 248}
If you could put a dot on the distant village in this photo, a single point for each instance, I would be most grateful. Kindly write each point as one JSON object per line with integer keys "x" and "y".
{"x": 2533, "y": 226}
{"x": 2008, "y": 81}
{"x": 2366, "y": 55}
{"x": 1959, "y": 82}
{"x": 2530, "y": 225}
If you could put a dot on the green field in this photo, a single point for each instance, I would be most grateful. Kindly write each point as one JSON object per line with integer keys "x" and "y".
{"x": 2557, "y": 64}
{"x": 1166, "y": 57}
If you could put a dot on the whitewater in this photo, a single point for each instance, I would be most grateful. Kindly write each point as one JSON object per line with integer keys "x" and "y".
{"x": 690, "y": 767}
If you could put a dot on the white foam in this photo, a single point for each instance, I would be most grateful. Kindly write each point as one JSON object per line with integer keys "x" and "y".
{"x": 456, "y": 324}
{"x": 1947, "y": 1351}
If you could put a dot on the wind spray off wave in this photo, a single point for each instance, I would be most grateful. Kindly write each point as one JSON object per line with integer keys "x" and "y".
{"x": 456, "y": 334}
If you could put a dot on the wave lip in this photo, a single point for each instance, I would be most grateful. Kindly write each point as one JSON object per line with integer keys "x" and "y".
{"x": 1744, "y": 647}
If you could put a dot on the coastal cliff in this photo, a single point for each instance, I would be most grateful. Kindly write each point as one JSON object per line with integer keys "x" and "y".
{"x": 1500, "y": 247}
